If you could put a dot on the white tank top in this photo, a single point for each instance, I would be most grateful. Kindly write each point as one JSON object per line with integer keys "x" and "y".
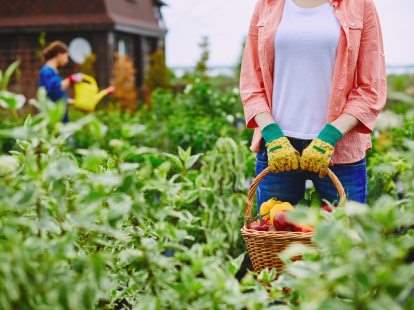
{"x": 305, "y": 53}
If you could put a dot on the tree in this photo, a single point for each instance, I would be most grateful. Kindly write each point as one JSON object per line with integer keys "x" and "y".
{"x": 157, "y": 75}
{"x": 202, "y": 64}
{"x": 239, "y": 63}
{"x": 124, "y": 82}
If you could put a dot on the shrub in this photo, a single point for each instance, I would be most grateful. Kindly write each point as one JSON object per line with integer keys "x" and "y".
{"x": 124, "y": 82}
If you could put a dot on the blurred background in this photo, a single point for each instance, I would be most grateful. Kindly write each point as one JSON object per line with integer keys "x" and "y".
{"x": 173, "y": 61}
{"x": 225, "y": 23}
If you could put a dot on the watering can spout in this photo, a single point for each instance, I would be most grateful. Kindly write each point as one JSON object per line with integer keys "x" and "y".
{"x": 103, "y": 93}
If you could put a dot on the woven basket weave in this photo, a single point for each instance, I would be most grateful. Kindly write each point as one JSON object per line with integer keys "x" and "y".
{"x": 264, "y": 247}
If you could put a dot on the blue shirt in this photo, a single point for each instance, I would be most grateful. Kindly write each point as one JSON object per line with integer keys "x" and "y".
{"x": 50, "y": 79}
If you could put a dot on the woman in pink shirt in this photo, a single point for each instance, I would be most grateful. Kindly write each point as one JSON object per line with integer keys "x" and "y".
{"x": 312, "y": 83}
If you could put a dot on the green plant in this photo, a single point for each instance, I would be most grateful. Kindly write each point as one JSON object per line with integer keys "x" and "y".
{"x": 157, "y": 75}
{"x": 202, "y": 64}
{"x": 123, "y": 79}
{"x": 359, "y": 260}
{"x": 8, "y": 100}
{"x": 7, "y": 75}
{"x": 399, "y": 82}
{"x": 384, "y": 171}
{"x": 94, "y": 225}
{"x": 143, "y": 210}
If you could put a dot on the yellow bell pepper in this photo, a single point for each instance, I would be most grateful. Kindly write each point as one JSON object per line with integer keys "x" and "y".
{"x": 271, "y": 207}
{"x": 266, "y": 207}
{"x": 280, "y": 207}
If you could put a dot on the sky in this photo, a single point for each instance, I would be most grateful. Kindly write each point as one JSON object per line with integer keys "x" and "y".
{"x": 225, "y": 23}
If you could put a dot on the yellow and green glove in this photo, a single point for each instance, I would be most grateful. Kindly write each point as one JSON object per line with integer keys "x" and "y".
{"x": 281, "y": 155}
{"x": 317, "y": 156}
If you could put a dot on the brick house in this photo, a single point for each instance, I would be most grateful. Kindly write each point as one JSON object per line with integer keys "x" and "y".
{"x": 106, "y": 27}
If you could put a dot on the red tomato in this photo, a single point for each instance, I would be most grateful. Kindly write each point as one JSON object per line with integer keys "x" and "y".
{"x": 260, "y": 225}
{"x": 281, "y": 223}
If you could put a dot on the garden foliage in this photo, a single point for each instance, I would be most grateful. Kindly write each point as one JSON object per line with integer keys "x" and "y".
{"x": 143, "y": 211}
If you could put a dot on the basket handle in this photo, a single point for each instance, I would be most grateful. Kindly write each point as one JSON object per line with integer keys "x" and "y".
{"x": 255, "y": 183}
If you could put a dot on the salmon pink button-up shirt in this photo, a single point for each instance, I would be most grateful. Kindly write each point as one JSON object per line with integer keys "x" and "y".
{"x": 359, "y": 84}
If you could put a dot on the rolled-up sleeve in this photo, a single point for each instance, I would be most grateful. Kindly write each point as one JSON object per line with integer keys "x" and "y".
{"x": 252, "y": 91}
{"x": 366, "y": 100}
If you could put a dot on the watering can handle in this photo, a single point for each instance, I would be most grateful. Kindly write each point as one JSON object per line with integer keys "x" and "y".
{"x": 88, "y": 79}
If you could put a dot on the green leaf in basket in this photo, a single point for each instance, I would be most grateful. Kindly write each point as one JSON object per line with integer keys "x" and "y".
{"x": 315, "y": 201}
{"x": 302, "y": 203}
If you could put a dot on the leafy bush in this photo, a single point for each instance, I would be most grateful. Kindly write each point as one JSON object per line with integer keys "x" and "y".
{"x": 92, "y": 228}
{"x": 119, "y": 210}
{"x": 360, "y": 261}
{"x": 399, "y": 82}
{"x": 123, "y": 79}
{"x": 156, "y": 76}
{"x": 195, "y": 118}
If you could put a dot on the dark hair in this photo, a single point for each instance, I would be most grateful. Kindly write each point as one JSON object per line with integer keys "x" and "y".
{"x": 53, "y": 49}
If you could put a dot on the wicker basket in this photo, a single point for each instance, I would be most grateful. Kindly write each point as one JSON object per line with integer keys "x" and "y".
{"x": 264, "y": 246}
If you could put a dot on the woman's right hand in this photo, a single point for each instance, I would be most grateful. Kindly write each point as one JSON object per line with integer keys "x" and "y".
{"x": 75, "y": 78}
{"x": 282, "y": 156}
{"x": 71, "y": 80}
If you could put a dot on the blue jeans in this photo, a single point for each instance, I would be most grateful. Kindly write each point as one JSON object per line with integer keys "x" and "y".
{"x": 290, "y": 186}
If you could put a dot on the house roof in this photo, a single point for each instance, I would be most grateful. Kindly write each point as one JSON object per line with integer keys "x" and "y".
{"x": 133, "y": 16}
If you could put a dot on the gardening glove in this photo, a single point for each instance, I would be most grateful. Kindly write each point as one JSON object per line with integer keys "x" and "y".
{"x": 75, "y": 78}
{"x": 317, "y": 156}
{"x": 282, "y": 156}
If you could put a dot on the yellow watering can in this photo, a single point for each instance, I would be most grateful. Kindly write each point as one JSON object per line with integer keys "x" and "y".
{"x": 87, "y": 94}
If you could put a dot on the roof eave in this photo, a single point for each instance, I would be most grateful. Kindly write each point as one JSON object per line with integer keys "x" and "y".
{"x": 55, "y": 28}
{"x": 134, "y": 29}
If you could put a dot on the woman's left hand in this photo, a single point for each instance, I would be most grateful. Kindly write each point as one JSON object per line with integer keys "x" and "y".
{"x": 317, "y": 156}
